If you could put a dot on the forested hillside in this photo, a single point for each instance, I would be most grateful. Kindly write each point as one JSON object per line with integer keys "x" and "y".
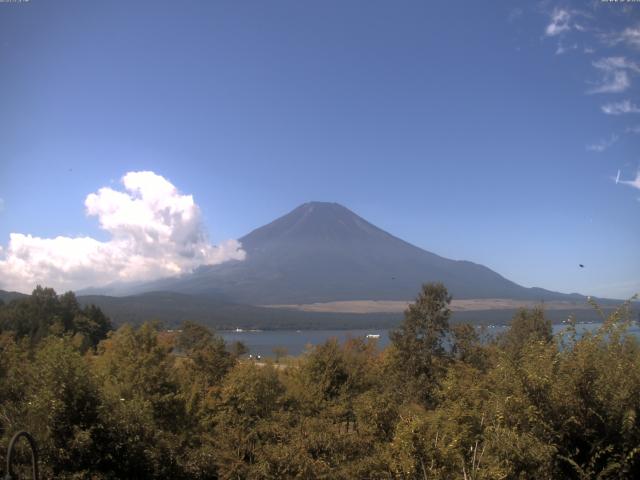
{"x": 438, "y": 403}
{"x": 174, "y": 308}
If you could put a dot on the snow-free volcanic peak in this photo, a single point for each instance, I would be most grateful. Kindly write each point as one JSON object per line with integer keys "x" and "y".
{"x": 322, "y": 252}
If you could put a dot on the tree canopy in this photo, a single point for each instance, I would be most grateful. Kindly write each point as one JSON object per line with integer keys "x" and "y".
{"x": 439, "y": 403}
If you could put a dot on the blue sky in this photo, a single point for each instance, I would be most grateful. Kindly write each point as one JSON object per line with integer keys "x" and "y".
{"x": 476, "y": 130}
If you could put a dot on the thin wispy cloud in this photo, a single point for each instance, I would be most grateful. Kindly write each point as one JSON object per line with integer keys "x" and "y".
{"x": 620, "y": 108}
{"x": 559, "y": 22}
{"x": 631, "y": 36}
{"x": 614, "y": 82}
{"x": 1, "y": 204}
{"x": 602, "y": 145}
{"x": 634, "y": 129}
{"x": 562, "y": 49}
{"x": 615, "y": 73}
{"x": 155, "y": 230}
{"x": 617, "y": 63}
{"x": 580, "y": 28}
{"x": 632, "y": 183}
{"x": 562, "y": 21}
{"x": 515, "y": 14}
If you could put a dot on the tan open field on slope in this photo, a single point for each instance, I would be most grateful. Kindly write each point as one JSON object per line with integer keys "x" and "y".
{"x": 393, "y": 306}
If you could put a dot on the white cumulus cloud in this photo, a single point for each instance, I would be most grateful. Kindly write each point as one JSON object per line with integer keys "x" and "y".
{"x": 155, "y": 232}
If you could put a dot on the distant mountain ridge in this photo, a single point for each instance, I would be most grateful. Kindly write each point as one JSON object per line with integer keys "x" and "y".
{"x": 8, "y": 296}
{"x": 172, "y": 309}
{"x": 322, "y": 252}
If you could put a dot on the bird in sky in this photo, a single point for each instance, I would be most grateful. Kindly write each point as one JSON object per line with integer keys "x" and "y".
{"x": 581, "y": 265}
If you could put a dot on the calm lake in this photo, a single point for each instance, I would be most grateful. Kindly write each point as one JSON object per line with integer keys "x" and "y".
{"x": 262, "y": 342}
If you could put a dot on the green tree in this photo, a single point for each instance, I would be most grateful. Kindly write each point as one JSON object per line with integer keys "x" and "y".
{"x": 62, "y": 406}
{"x": 45, "y": 313}
{"x": 201, "y": 371}
{"x": 193, "y": 337}
{"x": 238, "y": 349}
{"x": 250, "y": 396}
{"x": 526, "y": 326}
{"x": 144, "y": 414}
{"x": 93, "y": 324}
{"x": 418, "y": 344}
{"x": 280, "y": 352}
{"x": 467, "y": 347}
{"x": 15, "y": 366}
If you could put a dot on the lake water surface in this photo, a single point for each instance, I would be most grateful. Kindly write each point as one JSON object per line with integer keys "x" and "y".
{"x": 262, "y": 342}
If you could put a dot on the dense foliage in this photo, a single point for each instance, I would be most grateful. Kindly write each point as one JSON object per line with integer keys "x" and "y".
{"x": 438, "y": 403}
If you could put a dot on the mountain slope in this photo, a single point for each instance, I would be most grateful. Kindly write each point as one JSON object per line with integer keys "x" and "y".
{"x": 6, "y": 297}
{"x": 324, "y": 252}
{"x": 174, "y": 308}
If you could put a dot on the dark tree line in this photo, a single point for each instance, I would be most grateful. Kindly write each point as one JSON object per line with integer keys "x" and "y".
{"x": 438, "y": 403}
{"x": 45, "y": 313}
